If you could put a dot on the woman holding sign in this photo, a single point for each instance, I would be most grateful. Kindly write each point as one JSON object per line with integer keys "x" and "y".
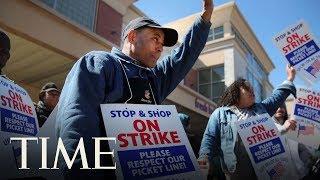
{"x": 221, "y": 140}
{"x": 301, "y": 155}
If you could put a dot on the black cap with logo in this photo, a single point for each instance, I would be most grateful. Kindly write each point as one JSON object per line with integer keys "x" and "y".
{"x": 170, "y": 35}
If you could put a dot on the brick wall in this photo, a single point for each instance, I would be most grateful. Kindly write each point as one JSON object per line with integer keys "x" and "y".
{"x": 109, "y": 23}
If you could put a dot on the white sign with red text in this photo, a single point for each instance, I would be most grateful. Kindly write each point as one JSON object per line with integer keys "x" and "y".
{"x": 17, "y": 118}
{"x": 265, "y": 147}
{"x": 301, "y": 50}
{"x": 306, "y": 111}
{"x": 150, "y": 142}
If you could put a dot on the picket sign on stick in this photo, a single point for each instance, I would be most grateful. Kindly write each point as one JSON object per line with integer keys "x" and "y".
{"x": 265, "y": 147}
{"x": 300, "y": 48}
{"x": 150, "y": 142}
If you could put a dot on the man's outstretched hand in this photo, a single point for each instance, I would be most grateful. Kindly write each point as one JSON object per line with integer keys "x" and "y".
{"x": 207, "y": 10}
{"x": 291, "y": 73}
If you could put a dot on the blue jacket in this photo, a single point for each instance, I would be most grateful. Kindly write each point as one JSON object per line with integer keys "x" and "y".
{"x": 97, "y": 78}
{"x": 220, "y": 136}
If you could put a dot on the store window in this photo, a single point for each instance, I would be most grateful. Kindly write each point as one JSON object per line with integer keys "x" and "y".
{"x": 255, "y": 73}
{"x": 211, "y": 35}
{"x": 218, "y": 32}
{"x": 215, "y": 33}
{"x": 211, "y": 82}
{"x": 83, "y": 12}
{"x": 256, "y": 85}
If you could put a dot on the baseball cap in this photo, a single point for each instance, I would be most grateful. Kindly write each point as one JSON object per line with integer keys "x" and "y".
{"x": 50, "y": 86}
{"x": 170, "y": 35}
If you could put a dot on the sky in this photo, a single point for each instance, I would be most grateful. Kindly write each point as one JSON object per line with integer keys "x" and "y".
{"x": 265, "y": 17}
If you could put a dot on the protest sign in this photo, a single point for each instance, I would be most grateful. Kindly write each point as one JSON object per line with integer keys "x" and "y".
{"x": 17, "y": 118}
{"x": 301, "y": 50}
{"x": 150, "y": 142}
{"x": 265, "y": 147}
{"x": 306, "y": 111}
